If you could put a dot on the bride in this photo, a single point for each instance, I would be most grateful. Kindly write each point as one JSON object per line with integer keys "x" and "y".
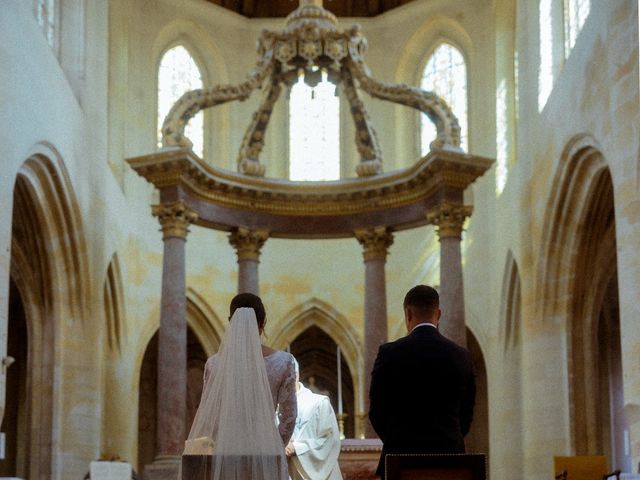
{"x": 247, "y": 389}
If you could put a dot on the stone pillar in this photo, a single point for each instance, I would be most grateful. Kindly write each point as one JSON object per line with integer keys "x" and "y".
{"x": 449, "y": 218}
{"x": 376, "y": 242}
{"x": 174, "y": 218}
{"x": 248, "y": 244}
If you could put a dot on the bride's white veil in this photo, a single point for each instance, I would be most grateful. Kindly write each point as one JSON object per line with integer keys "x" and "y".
{"x": 236, "y": 412}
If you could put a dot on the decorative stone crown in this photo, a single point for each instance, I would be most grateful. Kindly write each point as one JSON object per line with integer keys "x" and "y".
{"x": 311, "y": 44}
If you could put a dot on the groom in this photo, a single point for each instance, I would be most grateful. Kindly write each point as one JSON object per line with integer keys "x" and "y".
{"x": 422, "y": 386}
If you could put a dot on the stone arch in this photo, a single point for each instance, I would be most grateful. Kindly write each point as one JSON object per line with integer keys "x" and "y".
{"x": 49, "y": 268}
{"x": 506, "y": 383}
{"x": 477, "y": 441}
{"x": 113, "y": 297}
{"x": 315, "y": 312}
{"x": 213, "y": 69}
{"x": 579, "y": 285}
{"x": 205, "y": 330}
{"x": 511, "y": 303}
{"x": 416, "y": 53}
{"x": 204, "y": 322}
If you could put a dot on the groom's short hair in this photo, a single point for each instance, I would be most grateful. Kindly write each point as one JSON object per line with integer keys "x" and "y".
{"x": 249, "y": 300}
{"x": 423, "y": 300}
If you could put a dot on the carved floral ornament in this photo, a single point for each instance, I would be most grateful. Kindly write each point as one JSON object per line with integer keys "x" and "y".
{"x": 376, "y": 242}
{"x": 174, "y": 218}
{"x": 248, "y": 242}
{"x": 449, "y": 218}
{"x": 311, "y": 44}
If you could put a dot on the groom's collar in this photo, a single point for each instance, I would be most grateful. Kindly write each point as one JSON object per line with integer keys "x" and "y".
{"x": 422, "y": 325}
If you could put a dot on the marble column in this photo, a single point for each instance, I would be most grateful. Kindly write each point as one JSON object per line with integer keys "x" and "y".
{"x": 449, "y": 218}
{"x": 174, "y": 218}
{"x": 248, "y": 244}
{"x": 376, "y": 243}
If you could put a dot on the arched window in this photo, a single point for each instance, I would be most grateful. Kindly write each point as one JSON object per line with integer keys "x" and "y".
{"x": 178, "y": 73}
{"x": 546, "y": 67}
{"x": 575, "y": 14}
{"x": 45, "y": 11}
{"x": 314, "y": 131}
{"x": 446, "y": 75}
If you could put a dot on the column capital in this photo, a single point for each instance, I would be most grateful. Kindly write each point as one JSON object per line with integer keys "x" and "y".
{"x": 449, "y": 218}
{"x": 248, "y": 242}
{"x": 376, "y": 242}
{"x": 174, "y": 217}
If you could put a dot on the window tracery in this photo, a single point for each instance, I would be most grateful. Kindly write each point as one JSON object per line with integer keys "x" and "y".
{"x": 446, "y": 75}
{"x": 575, "y": 14}
{"x": 314, "y": 131}
{"x": 177, "y": 74}
{"x": 45, "y": 12}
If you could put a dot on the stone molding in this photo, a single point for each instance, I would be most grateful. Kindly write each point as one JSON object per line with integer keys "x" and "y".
{"x": 376, "y": 242}
{"x": 449, "y": 218}
{"x": 248, "y": 242}
{"x": 174, "y": 218}
{"x": 437, "y": 170}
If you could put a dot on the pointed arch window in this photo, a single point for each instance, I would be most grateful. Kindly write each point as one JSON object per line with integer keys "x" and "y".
{"x": 575, "y": 14}
{"x": 446, "y": 75}
{"x": 314, "y": 131}
{"x": 45, "y": 11}
{"x": 178, "y": 73}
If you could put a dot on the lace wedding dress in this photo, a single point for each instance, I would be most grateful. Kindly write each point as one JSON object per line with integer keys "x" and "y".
{"x": 235, "y": 419}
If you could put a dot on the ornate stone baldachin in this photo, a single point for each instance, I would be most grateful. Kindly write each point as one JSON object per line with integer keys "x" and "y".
{"x": 311, "y": 40}
{"x": 449, "y": 218}
{"x": 376, "y": 242}
{"x": 248, "y": 242}
{"x": 174, "y": 217}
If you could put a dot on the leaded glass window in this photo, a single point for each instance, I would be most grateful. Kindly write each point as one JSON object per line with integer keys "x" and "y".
{"x": 45, "y": 11}
{"x": 446, "y": 75}
{"x": 178, "y": 73}
{"x": 575, "y": 14}
{"x": 314, "y": 131}
{"x": 545, "y": 70}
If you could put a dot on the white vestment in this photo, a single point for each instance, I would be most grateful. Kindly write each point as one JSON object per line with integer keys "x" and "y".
{"x": 316, "y": 439}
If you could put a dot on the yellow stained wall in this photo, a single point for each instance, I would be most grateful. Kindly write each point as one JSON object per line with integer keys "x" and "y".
{"x": 102, "y": 112}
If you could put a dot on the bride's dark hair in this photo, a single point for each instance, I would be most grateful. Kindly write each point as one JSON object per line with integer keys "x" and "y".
{"x": 249, "y": 300}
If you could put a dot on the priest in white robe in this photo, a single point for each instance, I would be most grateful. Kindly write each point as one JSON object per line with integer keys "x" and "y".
{"x": 315, "y": 444}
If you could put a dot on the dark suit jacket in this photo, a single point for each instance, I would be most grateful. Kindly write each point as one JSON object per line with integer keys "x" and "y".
{"x": 422, "y": 394}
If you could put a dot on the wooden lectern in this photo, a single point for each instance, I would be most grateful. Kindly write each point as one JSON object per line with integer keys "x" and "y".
{"x": 436, "y": 467}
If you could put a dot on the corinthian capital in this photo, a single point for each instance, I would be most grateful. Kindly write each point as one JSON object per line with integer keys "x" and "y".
{"x": 449, "y": 218}
{"x": 248, "y": 242}
{"x": 376, "y": 242}
{"x": 174, "y": 217}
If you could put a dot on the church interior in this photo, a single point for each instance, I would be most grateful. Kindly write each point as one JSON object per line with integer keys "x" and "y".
{"x": 114, "y": 219}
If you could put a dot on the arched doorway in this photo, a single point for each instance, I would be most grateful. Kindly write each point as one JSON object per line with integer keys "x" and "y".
{"x": 147, "y": 393}
{"x": 599, "y": 421}
{"x": 580, "y": 285}
{"x": 316, "y": 353}
{"x": 16, "y": 418}
{"x": 477, "y": 440}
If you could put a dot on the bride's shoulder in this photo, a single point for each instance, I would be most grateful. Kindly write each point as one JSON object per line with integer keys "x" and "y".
{"x": 279, "y": 357}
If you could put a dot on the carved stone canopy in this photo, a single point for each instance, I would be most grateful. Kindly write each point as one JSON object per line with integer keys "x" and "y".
{"x": 309, "y": 45}
{"x": 224, "y": 200}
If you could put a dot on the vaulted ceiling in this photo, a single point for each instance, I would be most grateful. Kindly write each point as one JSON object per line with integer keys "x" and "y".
{"x": 282, "y": 8}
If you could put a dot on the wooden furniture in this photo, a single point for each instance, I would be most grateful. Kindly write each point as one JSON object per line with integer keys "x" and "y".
{"x": 583, "y": 467}
{"x": 436, "y": 467}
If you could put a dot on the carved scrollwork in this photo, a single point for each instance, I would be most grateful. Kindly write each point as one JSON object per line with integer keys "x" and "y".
{"x": 366, "y": 139}
{"x": 446, "y": 123}
{"x": 194, "y": 101}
